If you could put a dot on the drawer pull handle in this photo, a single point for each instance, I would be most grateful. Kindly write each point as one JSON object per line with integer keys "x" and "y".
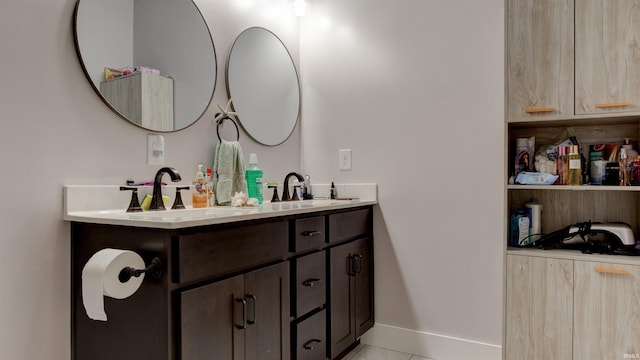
{"x": 244, "y": 314}
{"x": 311, "y": 233}
{"x": 254, "y": 307}
{"x": 611, "y": 271}
{"x": 309, "y": 344}
{"x": 311, "y": 282}
{"x": 539, "y": 110}
{"x": 613, "y": 104}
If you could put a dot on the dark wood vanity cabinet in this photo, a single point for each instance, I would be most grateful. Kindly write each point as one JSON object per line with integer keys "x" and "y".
{"x": 244, "y": 317}
{"x": 350, "y": 278}
{"x": 267, "y": 289}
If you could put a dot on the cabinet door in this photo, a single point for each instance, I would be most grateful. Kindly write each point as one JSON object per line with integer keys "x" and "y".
{"x": 607, "y": 61}
{"x": 211, "y": 321}
{"x": 539, "y": 59}
{"x": 363, "y": 286}
{"x": 267, "y": 336}
{"x": 342, "y": 292}
{"x": 539, "y": 308}
{"x": 607, "y": 311}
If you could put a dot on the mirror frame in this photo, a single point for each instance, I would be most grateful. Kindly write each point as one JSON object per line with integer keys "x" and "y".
{"x": 110, "y": 106}
{"x": 297, "y": 76}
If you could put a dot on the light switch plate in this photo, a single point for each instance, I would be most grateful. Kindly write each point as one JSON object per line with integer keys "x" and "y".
{"x": 344, "y": 159}
{"x": 155, "y": 149}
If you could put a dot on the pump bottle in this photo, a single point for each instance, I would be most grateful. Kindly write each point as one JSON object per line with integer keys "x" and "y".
{"x": 253, "y": 176}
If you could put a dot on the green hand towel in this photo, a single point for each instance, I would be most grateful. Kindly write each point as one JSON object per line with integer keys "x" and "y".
{"x": 229, "y": 171}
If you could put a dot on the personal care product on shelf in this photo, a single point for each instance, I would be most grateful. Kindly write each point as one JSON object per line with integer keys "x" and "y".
{"x": 534, "y": 211}
{"x": 525, "y": 148}
{"x": 253, "y": 176}
{"x": 562, "y": 167}
{"x": 199, "y": 197}
{"x": 574, "y": 176}
{"x": 624, "y": 170}
{"x": 519, "y": 228}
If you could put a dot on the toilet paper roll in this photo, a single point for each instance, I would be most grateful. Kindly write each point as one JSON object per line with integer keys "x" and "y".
{"x": 100, "y": 279}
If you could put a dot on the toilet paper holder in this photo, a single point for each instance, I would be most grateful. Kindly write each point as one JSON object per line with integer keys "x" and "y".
{"x": 154, "y": 270}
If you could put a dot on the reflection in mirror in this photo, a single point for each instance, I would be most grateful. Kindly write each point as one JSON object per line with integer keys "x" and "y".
{"x": 151, "y": 61}
{"x": 263, "y": 83}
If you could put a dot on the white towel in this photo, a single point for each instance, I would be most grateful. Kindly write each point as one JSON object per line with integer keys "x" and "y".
{"x": 228, "y": 170}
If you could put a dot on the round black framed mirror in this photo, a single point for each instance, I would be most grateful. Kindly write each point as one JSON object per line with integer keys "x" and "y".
{"x": 263, "y": 82}
{"x": 152, "y": 62}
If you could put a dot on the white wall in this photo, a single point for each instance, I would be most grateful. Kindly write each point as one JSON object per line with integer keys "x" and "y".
{"x": 415, "y": 89}
{"x": 55, "y": 131}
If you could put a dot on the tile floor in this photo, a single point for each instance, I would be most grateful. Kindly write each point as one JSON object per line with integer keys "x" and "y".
{"x": 368, "y": 352}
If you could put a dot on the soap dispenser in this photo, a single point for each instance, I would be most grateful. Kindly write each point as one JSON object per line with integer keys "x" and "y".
{"x": 199, "y": 197}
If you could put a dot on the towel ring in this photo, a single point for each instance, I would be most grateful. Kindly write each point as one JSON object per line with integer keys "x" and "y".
{"x": 221, "y": 120}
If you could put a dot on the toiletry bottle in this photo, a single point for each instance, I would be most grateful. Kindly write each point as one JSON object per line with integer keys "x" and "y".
{"x": 211, "y": 196}
{"x": 561, "y": 165}
{"x": 199, "y": 197}
{"x": 333, "y": 194}
{"x": 624, "y": 170}
{"x": 253, "y": 176}
{"x": 534, "y": 211}
{"x": 574, "y": 176}
{"x": 519, "y": 228}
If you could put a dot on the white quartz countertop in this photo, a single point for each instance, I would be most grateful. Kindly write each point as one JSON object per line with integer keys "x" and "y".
{"x": 95, "y": 204}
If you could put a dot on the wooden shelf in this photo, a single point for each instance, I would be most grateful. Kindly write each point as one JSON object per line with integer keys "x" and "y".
{"x": 575, "y": 188}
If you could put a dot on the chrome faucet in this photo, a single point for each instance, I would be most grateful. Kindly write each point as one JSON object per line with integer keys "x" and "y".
{"x": 156, "y": 200}
{"x": 285, "y": 190}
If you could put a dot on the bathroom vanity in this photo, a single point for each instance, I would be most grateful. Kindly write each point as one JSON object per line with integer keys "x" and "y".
{"x": 282, "y": 281}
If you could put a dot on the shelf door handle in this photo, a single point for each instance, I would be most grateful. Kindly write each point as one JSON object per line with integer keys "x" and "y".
{"x": 533, "y": 110}
{"x": 243, "y": 325}
{"x": 311, "y": 233}
{"x": 309, "y": 344}
{"x": 254, "y": 309}
{"x": 311, "y": 282}
{"x": 611, "y": 271}
{"x": 613, "y": 104}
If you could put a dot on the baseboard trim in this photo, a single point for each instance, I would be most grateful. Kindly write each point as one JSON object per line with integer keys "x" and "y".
{"x": 432, "y": 346}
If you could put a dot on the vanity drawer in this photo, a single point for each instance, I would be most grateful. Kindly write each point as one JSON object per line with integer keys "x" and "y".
{"x": 309, "y": 233}
{"x": 310, "y": 282}
{"x": 311, "y": 337}
{"x": 227, "y": 251}
{"x": 349, "y": 225}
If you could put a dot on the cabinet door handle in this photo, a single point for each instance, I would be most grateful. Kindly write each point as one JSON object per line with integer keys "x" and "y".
{"x": 611, "y": 271}
{"x": 309, "y": 344}
{"x": 532, "y": 110}
{"x": 244, "y": 313}
{"x": 254, "y": 308}
{"x": 311, "y": 233}
{"x": 311, "y": 282}
{"x": 351, "y": 259}
{"x": 613, "y": 104}
{"x": 358, "y": 258}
